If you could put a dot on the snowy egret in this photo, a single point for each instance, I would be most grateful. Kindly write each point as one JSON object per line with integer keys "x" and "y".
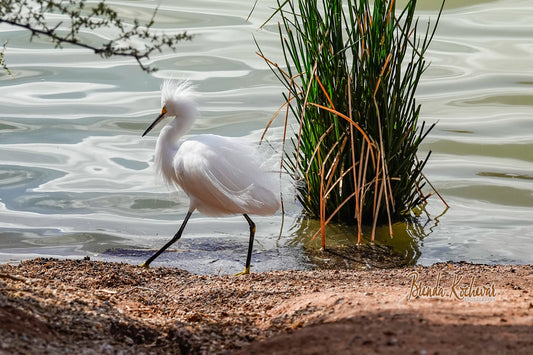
{"x": 220, "y": 175}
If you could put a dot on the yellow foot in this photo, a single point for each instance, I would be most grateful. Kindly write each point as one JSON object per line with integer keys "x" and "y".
{"x": 246, "y": 271}
{"x": 145, "y": 265}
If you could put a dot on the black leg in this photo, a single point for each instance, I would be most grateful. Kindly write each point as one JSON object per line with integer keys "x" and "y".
{"x": 250, "y": 245}
{"x": 172, "y": 241}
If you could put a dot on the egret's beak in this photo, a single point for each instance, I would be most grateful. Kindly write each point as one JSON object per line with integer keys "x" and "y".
{"x": 157, "y": 120}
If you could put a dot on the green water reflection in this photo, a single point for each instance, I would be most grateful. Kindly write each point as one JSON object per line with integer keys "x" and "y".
{"x": 342, "y": 249}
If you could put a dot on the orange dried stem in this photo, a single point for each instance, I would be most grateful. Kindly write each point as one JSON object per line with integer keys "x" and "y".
{"x": 346, "y": 118}
{"x": 325, "y": 92}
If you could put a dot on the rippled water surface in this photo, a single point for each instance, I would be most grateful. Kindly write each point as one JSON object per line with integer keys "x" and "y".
{"x": 76, "y": 178}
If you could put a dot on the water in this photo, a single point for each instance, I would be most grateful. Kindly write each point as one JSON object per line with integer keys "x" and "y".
{"x": 76, "y": 178}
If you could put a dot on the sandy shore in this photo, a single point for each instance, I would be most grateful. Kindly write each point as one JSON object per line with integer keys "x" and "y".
{"x": 88, "y": 307}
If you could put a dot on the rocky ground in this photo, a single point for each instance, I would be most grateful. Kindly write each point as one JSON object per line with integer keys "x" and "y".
{"x": 88, "y": 307}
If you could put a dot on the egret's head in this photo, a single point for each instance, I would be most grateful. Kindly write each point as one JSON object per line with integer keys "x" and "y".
{"x": 177, "y": 100}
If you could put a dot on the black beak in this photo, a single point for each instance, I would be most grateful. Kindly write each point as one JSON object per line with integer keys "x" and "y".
{"x": 157, "y": 120}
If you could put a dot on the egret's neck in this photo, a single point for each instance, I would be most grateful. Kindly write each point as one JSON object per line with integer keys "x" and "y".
{"x": 167, "y": 146}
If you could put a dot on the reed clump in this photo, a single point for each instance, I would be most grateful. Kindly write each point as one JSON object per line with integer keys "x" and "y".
{"x": 351, "y": 72}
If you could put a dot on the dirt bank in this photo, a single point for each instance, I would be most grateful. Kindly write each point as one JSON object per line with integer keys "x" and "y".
{"x": 80, "y": 306}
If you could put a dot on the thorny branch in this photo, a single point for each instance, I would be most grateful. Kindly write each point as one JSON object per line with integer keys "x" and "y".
{"x": 80, "y": 16}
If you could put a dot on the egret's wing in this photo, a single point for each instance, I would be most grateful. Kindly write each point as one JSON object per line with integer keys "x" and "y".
{"x": 222, "y": 176}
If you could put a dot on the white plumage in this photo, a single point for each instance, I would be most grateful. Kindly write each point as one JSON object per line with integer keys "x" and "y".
{"x": 220, "y": 175}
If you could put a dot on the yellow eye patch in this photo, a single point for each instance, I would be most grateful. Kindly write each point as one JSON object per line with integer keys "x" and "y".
{"x": 164, "y": 110}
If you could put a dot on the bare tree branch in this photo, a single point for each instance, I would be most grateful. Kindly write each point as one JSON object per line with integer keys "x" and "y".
{"x": 83, "y": 17}
{"x": 2, "y": 60}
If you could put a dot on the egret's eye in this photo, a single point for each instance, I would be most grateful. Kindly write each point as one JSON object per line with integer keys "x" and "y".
{"x": 164, "y": 110}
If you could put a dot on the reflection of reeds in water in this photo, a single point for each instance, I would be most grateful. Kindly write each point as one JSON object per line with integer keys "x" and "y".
{"x": 343, "y": 251}
{"x": 351, "y": 75}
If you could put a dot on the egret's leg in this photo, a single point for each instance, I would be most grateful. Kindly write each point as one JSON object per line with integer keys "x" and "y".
{"x": 250, "y": 245}
{"x": 177, "y": 236}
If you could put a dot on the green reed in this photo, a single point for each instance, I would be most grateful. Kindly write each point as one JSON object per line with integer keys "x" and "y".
{"x": 351, "y": 73}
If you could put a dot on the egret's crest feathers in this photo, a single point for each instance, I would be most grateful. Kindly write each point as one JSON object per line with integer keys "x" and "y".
{"x": 172, "y": 90}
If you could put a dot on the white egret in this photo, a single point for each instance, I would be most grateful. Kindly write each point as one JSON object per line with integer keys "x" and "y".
{"x": 220, "y": 175}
